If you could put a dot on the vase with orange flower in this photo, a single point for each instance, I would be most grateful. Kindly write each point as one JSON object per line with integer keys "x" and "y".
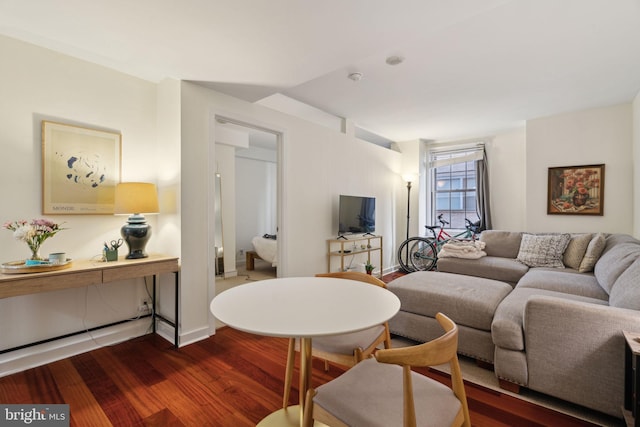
{"x": 580, "y": 197}
{"x": 578, "y": 184}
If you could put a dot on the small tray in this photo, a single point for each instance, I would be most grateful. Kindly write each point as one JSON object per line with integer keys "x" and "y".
{"x": 19, "y": 267}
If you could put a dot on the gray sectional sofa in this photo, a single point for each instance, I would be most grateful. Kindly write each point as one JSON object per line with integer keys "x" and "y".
{"x": 548, "y": 310}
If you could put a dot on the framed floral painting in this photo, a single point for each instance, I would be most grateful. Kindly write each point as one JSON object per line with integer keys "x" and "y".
{"x": 576, "y": 190}
{"x": 80, "y": 169}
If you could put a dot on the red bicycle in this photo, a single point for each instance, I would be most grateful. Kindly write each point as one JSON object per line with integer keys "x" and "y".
{"x": 421, "y": 253}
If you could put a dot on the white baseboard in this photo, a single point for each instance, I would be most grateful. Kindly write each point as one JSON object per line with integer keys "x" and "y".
{"x": 166, "y": 332}
{"x": 392, "y": 269}
{"x": 38, "y": 355}
{"x": 30, "y": 357}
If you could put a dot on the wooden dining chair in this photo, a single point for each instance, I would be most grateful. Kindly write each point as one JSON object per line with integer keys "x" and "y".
{"x": 384, "y": 391}
{"x": 345, "y": 349}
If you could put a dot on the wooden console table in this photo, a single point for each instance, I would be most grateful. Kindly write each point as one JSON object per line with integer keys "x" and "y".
{"x": 84, "y": 273}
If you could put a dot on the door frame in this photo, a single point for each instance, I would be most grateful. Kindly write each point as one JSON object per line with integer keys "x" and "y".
{"x": 281, "y": 139}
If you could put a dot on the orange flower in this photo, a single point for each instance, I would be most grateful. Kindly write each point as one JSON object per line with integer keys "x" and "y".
{"x": 579, "y": 181}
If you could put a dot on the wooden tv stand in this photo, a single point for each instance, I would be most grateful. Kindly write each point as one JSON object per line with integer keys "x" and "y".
{"x": 363, "y": 248}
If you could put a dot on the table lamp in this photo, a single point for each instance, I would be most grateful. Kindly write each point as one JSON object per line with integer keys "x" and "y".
{"x": 136, "y": 199}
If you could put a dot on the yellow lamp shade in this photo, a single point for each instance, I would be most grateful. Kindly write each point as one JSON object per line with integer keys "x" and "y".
{"x": 136, "y": 197}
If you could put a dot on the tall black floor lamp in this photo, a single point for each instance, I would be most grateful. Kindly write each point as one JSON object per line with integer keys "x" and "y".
{"x": 408, "y": 178}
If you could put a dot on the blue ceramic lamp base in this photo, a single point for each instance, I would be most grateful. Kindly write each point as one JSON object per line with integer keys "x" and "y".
{"x": 136, "y": 233}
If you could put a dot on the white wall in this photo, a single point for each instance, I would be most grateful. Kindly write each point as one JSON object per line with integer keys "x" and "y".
{"x": 412, "y": 163}
{"x": 167, "y": 167}
{"x": 507, "y": 179}
{"x": 39, "y": 84}
{"x": 599, "y": 135}
{"x": 166, "y": 234}
{"x": 319, "y": 164}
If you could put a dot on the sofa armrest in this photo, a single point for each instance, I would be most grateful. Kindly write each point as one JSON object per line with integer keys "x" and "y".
{"x": 575, "y": 350}
{"x": 586, "y": 325}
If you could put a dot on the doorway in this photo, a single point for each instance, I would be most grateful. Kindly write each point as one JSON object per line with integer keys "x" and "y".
{"x": 248, "y": 171}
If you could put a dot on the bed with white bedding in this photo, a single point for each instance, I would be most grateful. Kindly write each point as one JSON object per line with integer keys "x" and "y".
{"x": 266, "y": 247}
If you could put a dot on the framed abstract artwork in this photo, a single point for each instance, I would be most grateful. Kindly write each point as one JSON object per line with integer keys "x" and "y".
{"x": 576, "y": 190}
{"x": 80, "y": 169}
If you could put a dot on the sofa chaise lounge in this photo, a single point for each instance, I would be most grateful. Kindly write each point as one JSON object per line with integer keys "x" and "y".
{"x": 548, "y": 310}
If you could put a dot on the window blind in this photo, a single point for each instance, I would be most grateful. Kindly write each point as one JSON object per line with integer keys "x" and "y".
{"x": 444, "y": 157}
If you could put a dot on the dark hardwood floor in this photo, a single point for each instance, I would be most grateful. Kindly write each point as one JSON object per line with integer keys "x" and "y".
{"x": 231, "y": 379}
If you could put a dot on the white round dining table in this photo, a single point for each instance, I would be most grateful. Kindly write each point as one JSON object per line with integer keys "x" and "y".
{"x": 304, "y": 308}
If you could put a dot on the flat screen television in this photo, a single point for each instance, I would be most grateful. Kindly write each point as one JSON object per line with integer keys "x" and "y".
{"x": 356, "y": 215}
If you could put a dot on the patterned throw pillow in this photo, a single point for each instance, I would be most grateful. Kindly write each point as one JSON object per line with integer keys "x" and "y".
{"x": 543, "y": 250}
{"x": 576, "y": 249}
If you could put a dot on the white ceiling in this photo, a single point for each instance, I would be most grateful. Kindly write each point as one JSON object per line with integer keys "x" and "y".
{"x": 472, "y": 67}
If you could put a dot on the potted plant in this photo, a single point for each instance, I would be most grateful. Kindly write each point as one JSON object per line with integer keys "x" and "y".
{"x": 368, "y": 267}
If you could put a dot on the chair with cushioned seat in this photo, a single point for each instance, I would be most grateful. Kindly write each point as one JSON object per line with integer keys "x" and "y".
{"x": 384, "y": 391}
{"x": 345, "y": 349}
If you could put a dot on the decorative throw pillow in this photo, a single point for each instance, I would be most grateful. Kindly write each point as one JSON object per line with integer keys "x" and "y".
{"x": 591, "y": 256}
{"x": 576, "y": 249}
{"x": 502, "y": 243}
{"x": 543, "y": 250}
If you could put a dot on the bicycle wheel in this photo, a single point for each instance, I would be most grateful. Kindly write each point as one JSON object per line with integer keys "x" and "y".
{"x": 423, "y": 255}
{"x": 417, "y": 254}
{"x": 403, "y": 256}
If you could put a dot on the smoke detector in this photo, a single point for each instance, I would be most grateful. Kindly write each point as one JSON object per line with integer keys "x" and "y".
{"x": 356, "y": 77}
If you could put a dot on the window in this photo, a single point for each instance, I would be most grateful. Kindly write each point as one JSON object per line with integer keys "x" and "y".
{"x": 453, "y": 189}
